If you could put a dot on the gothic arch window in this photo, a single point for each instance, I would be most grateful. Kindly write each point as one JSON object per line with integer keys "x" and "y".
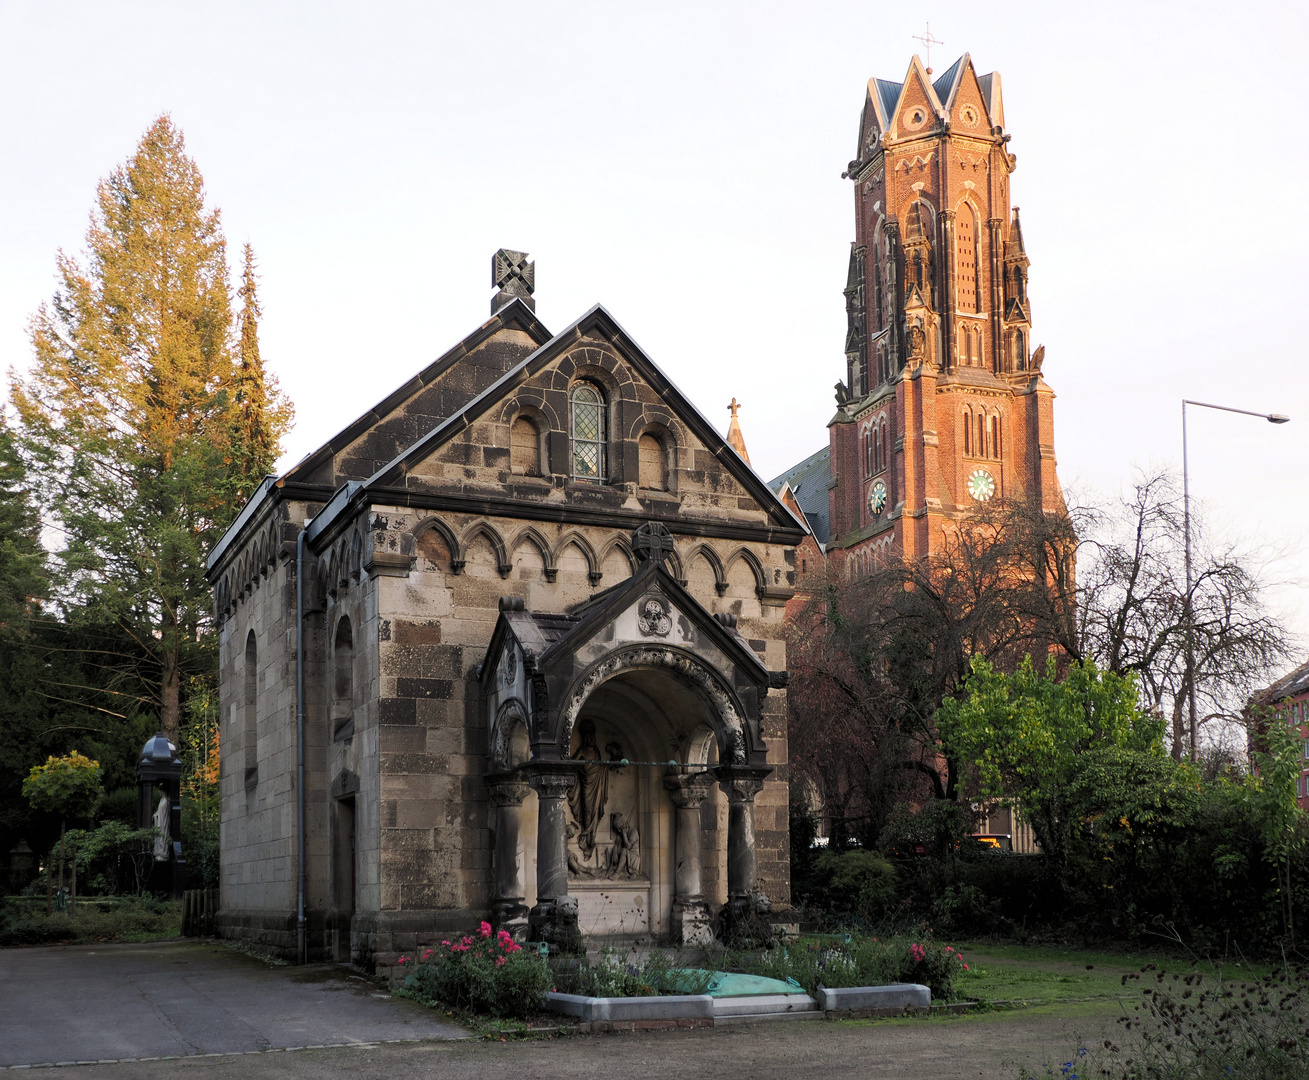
{"x": 651, "y": 463}
{"x": 524, "y": 447}
{"x": 877, "y": 288}
{"x": 966, "y": 259}
{"x": 979, "y": 443}
{"x": 968, "y": 431}
{"x": 868, "y": 451}
{"x": 250, "y": 712}
{"x": 995, "y": 437}
{"x": 975, "y": 346}
{"x": 587, "y": 432}
{"x": 1020, "y": 350}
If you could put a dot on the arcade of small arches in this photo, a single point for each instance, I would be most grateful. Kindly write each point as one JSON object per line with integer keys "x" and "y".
{"x": 446, "y": 549}
{"x": 591, "y": 435}
{"x": 867, "y": 559}
{"x": 981, "y": 432}
{"x": 875, "y": 436}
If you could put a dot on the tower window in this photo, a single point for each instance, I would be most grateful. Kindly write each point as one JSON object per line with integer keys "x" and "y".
{"x": 587, "y": 410}
{"x": 968, "y": 432}
{"x": 995, "y": 437}
{"x": 1020, "y": 350}
{"x": 980, "y": 445}
{"x": 966, "y": 259}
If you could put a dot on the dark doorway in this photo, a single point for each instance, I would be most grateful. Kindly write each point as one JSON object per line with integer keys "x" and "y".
{"x": 344, "y": 876}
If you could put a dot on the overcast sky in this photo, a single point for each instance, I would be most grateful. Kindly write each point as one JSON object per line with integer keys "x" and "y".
{"x": 681, "y": 164}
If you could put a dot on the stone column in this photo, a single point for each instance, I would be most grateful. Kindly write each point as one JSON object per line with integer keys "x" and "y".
{"x": 742, "y": 784}
{"x": 691, "y": 922}
{"x": 554, "y": 919}
{"x": 509, "y": 906}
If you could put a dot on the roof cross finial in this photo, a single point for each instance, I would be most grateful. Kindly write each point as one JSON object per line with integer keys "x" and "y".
{"x": 928, "y": 41}
{"x": 734, "y": 406}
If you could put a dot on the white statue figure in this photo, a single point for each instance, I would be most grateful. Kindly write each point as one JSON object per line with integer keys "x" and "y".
{"x": 162, "y": 841}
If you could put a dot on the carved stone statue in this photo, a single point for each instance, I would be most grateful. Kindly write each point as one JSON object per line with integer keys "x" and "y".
{"x": 575, "y": 866}
{"x": 587, "y": 798}
{"x": 163, "y": 840}
{"x": 625, "y": 854}
{"x": 1038, "y": 358}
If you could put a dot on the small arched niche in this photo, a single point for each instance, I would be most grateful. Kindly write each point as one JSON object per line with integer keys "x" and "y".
{"x": 343, "y": 670}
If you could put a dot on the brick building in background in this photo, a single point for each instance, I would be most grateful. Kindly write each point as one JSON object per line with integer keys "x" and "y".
{"x": 1290, "y": 696}
{"x": 943, "y": 406}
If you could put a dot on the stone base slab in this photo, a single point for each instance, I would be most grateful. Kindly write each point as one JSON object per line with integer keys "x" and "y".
{"x": 893, "y": 998}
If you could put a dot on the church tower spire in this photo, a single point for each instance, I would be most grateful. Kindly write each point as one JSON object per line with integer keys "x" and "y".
{"x": 943, "y": 407}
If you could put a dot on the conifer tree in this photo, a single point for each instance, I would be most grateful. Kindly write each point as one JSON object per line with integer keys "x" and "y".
{"x": 262, "y": 412}
{"x": 128, "y": 415}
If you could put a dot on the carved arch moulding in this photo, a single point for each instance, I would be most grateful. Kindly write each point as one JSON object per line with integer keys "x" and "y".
{"x": 727, "y": 716}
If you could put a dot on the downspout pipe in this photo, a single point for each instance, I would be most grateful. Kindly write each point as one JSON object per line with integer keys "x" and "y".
{"x": 300, "y": 744}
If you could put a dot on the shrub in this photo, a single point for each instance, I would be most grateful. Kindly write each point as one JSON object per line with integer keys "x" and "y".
{"x": 1195, "y": 1025}
{"x": 485, "y": 973}
{"x": 95, "y": 920}
{"x": 862, "y": 961}
{"x": 615, "y": 975}
{"x": 860, "y": 882}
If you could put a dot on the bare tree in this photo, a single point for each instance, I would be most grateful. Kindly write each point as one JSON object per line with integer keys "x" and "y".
{"x": 1131, "y": 605}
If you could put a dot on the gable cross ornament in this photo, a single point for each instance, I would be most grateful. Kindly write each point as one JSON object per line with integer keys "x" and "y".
{"x": 928, "y": 41}
{"x": 652, "y": 541}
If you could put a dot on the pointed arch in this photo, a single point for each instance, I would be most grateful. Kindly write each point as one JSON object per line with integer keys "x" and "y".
{"x": 620, "y": 544}
{"x": 489, "y": 533}
{"x": 710, "y": 556}
{"x": 577, "y": 540}
{"x": 529, "y": 535}
{"x": 452, "y": 545}
{"x": 751, "y": 560}
{"x": 674, "y": 564}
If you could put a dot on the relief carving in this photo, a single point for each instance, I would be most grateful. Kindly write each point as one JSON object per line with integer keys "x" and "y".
{"x": 654, "y": 620}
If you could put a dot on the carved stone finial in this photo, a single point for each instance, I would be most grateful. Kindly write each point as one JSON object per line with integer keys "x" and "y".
{"x": 652, "y": 541}
{"x": 514, "y": 276}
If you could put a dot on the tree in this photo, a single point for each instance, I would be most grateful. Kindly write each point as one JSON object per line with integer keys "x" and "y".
{"x": 1131, "y": 605}
{"x": 134, "y": 417}
{"x": 69, "y": 786}
{"x": 262, "y": 412}
{"x": 871, "y": 660}
{"x": 1027, "y": 736}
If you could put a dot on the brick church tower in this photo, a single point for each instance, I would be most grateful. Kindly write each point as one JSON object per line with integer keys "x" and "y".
{"x": 943, "y": 406}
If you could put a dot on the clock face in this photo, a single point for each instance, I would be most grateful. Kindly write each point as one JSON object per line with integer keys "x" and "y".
{"x": 981, "y": 485}
{"x": 877, "y": 498}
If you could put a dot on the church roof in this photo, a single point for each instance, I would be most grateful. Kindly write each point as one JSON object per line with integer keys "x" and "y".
{"x": 392, "y": 479}
{"x": 807, "y": 483}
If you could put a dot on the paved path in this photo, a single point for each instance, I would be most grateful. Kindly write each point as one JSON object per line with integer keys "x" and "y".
{"x": 97, "y": 1002}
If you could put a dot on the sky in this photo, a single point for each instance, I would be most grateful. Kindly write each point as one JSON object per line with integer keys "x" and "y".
{"x": 681, "y": 164}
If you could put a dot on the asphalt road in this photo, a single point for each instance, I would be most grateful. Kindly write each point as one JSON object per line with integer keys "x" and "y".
{"x": 97, "y": 1002}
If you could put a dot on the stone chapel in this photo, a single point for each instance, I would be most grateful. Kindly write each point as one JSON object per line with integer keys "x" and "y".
{"x": 508, "y": 647}
{"x": 943, "y": 406}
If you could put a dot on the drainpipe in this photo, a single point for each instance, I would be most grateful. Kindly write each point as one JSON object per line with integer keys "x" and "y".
{"x": 300, "y": 742}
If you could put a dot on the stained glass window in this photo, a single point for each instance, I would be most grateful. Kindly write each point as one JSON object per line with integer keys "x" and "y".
{"x": 588, "y": 433}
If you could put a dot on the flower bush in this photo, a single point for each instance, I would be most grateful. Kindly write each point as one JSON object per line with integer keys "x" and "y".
{"x": 862, "y": 961}
{"x": 484, "y": 972}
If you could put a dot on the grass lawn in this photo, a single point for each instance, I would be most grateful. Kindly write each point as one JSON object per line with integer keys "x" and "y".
{"x": 1039, "y": 975}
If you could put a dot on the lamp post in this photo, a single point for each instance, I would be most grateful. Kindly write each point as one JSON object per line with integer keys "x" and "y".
{"x": 1272, "y": 418}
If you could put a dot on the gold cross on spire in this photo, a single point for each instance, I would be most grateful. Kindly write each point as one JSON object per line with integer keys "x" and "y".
{"x": 928, "y": 41}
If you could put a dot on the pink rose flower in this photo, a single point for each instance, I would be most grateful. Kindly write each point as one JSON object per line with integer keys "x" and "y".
{"x": 486, "y": 929}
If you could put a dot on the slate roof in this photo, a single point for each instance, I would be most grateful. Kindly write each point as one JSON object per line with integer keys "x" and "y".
{"x": 808, "y": 483}
{"x": 1290, "y": 685}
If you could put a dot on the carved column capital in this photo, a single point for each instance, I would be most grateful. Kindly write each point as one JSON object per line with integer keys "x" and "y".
{"x": 742, "y": 783}
{"x": 688, "y": 790}
{"x": 507, "y": 789}
{"x": 551, "y": 780}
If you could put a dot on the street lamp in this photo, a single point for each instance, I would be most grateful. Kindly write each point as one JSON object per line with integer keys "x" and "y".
{"x": 1272, "y": 418}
